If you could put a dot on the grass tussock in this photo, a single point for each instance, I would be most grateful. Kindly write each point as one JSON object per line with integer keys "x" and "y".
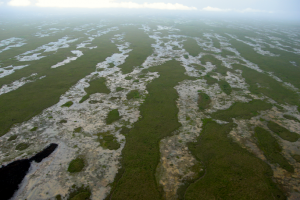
{"x": 67, "y": 104}
{"x": 290, "y": 117}
{"x": 76, "y": 165}
{"x": 133, "y": 94}
{"x": 113, "y": 116}
{"x": 22, "y": 146}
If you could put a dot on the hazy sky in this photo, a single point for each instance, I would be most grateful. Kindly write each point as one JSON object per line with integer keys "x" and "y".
{"x": 268, "y": 7}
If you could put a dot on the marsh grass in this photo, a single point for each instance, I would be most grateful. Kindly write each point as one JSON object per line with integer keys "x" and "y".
{"x": 79, "y": 193}
{"x": 290, "y": 117}
{"x": 268, "y": 86}
{"x": 191, "y": 46}
{"x": 231, "y": 171}
{"x": 76, "y": 165}
{"x": 140, "y": 43}
{"x": 272, "y": 150}
{"x": 22, "y": 146}
{"x": 133, "y": 94}
{"x": 67, "y": 104}
{"x": 203, "y": 101}
{"x": 34, "y": 128}
{"x": 13, "y": 137}
{"x": 118, "y": 89}
{"x": 225, "y": 87}
{"x": 108, "y": 141}
{"x": 136, "y": 179}
{"x": 112, "y": 116}
{"x": 39, "y": 95}
{"x": 283, "y": 132}
{"x": 241, "y": 110}
{"x": 96, "y": 86}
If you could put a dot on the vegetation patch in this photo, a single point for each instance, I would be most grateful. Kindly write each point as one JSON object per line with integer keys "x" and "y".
{"x": 210, "y": 80}
{"x": 34, "y": 128}
{"x": 242, "y": 110}
{"x": 226, "y": 53}
{"x": 63, "y": 121}
{"x": 203, "y": 101}
{"x": 108, "y": 141}
{"x": 79, "y": 193}
{"x": 140, "y": 155}
{"x": 22, "y": 146}
{"x": 290, "y": 117}
{"x": 283, "y": 132}
{"x": 118, "y": 89}
{"x": 272, "y": 150}
{"x": 231, "y": 172}
{"x": 76, "y": 165}
{"x": 133, "y": 94}
{"x": 191, "y": 46}
{"x": 96, "y": 86}
{"x": 225, "y": 87}
{"x": 113, "y": 116}
{"x": 68, "y": 104}
{"x": 13, "y": 137}
{"x": 263, "y": 83}
{"x": 140, "y": 43}
{"x": 128, "y": 78}
{"x": 78, "y": 129}
{"x": 296, "y": 157}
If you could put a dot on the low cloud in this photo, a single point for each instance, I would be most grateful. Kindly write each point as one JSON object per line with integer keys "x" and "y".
{"x": 213, "y": 9}
{"x": 110, "y": 4}
{"x": 247, "y": 10}
{"x": 19, "y": 3}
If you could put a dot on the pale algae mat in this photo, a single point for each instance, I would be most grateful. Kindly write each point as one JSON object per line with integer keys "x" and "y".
{"x": 152, "y": 108}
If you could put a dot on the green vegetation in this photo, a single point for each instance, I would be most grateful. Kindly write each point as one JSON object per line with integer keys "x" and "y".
{"x": 210, "y": 80}
{"x": 43, "y": 93}
{"x": 210, "y": 58}
{"x": 198, "y": 67}
{"x": 291, "y": 118}
{"x": 272, "y": 150}
{"x": 67, "y": 104}
{"x": 262, "y": 83}
{"x": 22, "y": 146}
{"x": 78, "y": 129}
{"x": 118, "y": 89}
{"x": 128, "y": 77}
{"x": 140, "y": 43}
{"x": 231, "y": 172}
{"x": 113, "y": 116}
{"x": 203, "y": 101}
{"x": 13, "y": 137}
{"x": 216, "y": 43}
{"x": 226, "y": 53}
{"x": 225, "y": 87}
{"x": 76, "y": 165}
{"x": 141, "y": 151}
{"x": 296, "y": 157}
{"x": 136, "y": 81}
{"x": 34, "y": 128}
{"x": 63, "y": 121}
{"x": 79, "y": 193}
{"x": 108, "y": 141}
{"x": 242, "y": 110}
{"x": 96, "y": 86}
{"x": 191, "y": 46}
{"x": 133, "y": 94}
{"x": 124, "y": 130}
{"x": 283, "y": 132}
